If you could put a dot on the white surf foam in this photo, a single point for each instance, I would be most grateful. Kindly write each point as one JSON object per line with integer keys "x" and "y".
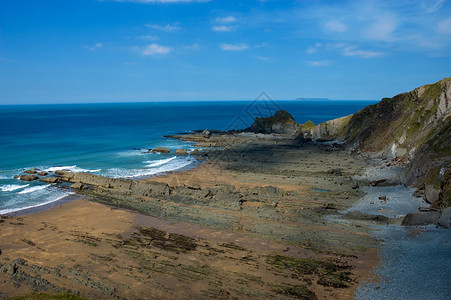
{"x": 172, "y": 165}
{"x": 34, "y": 189}
{"x": 12, "y": 187}
{"x": 49, "y": 200}
{"x": 157, "y": 163}
{"x": 53, "y": 169}
{"x": 73, "y": 168}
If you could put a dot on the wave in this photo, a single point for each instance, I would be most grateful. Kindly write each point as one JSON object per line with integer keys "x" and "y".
{"x": 49, "y": 200}
{"x": 73, "y": 168}
{"x": 157, "y": 163}
{"x": 34, "y": 189}
{"x": 12, "y": 187}
{"x": 172, "y": 165}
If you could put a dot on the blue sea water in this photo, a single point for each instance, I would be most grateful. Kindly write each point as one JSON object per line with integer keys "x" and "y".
{"x": 100, "y": 138}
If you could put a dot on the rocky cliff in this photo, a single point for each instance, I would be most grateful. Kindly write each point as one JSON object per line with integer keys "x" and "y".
{"x": 414, "y": 127}
{"x": 281, "y": 122}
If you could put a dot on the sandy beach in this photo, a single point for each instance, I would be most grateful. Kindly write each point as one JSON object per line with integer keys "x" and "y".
{"x": 278, "y": 241}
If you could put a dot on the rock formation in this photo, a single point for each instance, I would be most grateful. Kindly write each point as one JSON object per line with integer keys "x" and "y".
{"x": 413, "y": 127}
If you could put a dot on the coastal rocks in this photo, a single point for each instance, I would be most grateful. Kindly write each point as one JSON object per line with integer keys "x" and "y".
{"x": 445, "y": 218}
{"x": 357, "y": 215}
{"x": 42, "y": 173}
{"x": 50, "y": 180}
{"x": 30, "y": 171}
{"x": 9, "y": 269}
{"x": 161, "y": 150}
{"x": 421, "y": 218}
{"x": 78, "y": 186}
{"x": 281, "y": 122}
{"x": 28, "y": 177}
{"x": 430, "y": 193}
{"x": 198, "y": 152}
{"x": 206, "y": 133}
{"x": 181, "y": 152}
{"x": 331, "y": 129}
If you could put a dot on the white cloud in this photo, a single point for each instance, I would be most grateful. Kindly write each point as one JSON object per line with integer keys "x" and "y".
{"x": 335, "y": 26}
{"x": 435, "y": 7}
{"x": 354, "y": 51}
{"x": 223, "y": 28}
{"x": 444, "y": 27}
{"x": 314, "y": 48}
{"x": 168, "y": 27}
{"x": 229, "y": 19}
{"x": 94, "y": 47}
{"x": 319, "y": 63}
{"x": 149, "y": 37}
{"x": 382, "y": 29}
{"x": 234, "y": 47}
{"x": 155, "y": 49}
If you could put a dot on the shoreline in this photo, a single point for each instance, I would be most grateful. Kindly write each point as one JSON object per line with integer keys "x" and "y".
{"x": 281, "y": 220}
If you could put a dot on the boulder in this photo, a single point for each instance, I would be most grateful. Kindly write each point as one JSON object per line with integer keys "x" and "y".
{"x": 421, "y": 218}
{"x": 181, "y": 152}
{"x": 43, "y": 173}
{"x": 206, "y": 133}
{"x": 445, "y": 218}
{"x": 430, "y": 193}
{"x": 78, "y": 186}
{"x": 161, "y": 150}
{"x": 51, "y": 180}
{"x": 30, "y": 171}
{"x": 29, "y": 177}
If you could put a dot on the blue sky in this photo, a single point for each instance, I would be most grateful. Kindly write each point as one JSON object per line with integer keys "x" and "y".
{"x": 66, "y": 51}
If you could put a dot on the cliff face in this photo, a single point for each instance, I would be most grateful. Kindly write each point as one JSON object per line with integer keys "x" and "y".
{"x": 414, "y": 127}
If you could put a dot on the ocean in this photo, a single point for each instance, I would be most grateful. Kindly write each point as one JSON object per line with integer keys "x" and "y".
{"x": 110, "y": 139}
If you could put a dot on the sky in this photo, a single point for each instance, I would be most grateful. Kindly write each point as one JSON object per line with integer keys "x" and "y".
{"x": 66, "y": 51}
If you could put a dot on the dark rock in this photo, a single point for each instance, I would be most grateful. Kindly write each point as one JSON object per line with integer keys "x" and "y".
{"x": 431, "y": 194}
{"x": 357, "y": 215}
{"x": 355, "y": 185}
{"x": 161, "y": 150}
{"x": 78, "y": 186}
{"x": 28, "y": 177}
{"x": 59, "y": 172}
{"x": 421, "y": 218}
{"x": 17, "y": 176}
{"x": 30, "y": 171}
{"x": 445, "y": 218}
{"x": 337, "y": 172}
{"x": 384, "y": 198}
{"x": 281, "y": 122}
{"x": 181, "y": 152}
{"x": 43, "y": 173}
{"x": 51, "y": 180}
{"x": 20, "y": 261}
{"x": 198, "y": 152}
{"x": 9, "y": 269}
{"x": 377, "y": 182}
{"x": 206, "y": 133}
